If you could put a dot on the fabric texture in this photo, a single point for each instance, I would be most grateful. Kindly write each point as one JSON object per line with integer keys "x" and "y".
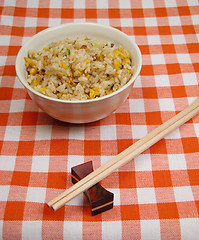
{"x": 156, "y": 195}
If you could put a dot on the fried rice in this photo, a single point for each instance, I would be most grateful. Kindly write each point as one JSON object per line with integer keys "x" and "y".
{"x": 79, "y": 69}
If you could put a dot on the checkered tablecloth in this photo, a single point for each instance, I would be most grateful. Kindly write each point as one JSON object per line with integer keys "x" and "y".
{"x": 156, "y": 195}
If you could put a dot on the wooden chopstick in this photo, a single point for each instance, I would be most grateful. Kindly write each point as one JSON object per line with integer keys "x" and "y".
{"x": 126, "y": 155}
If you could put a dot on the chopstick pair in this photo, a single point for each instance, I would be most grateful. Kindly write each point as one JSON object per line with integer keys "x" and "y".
{"x": 126, "y": 155}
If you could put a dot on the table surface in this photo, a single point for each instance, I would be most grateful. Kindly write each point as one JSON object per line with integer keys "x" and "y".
{"x": 156, "y": 195}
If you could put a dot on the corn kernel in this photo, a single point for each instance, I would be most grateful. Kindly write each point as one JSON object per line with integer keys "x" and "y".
{"x": 63, "y": 65}
{"x": 128, "y": 71}
{"x": 45, "y": 58}
{"x": 109, "y": 92}
{"x": 71, "y": 81}
{"x": 28, "y": 61}
{"x": 123, "y": 55}
{"x": 46, "y": 49}
{"x": 36, "y": 82}
{"x": 92, "y": 93}
{"x": 42, "y": 89}
{"x": 116, "y": 64}
{"x": 88, "y": 76}
{"x": 33, "y": 71}
{"x": 116, "y": 52}
{"x": 87, "y": 60}
{"x": 125, "y": 60}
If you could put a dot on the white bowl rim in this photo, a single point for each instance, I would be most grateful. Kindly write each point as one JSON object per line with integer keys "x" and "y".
{"x": 133, "y": 78}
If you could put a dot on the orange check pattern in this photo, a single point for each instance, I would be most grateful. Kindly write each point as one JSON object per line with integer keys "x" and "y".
{"x": 156, "y": 194}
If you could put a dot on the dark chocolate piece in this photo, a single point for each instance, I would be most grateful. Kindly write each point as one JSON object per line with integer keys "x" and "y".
{"x": 99, "y": 198}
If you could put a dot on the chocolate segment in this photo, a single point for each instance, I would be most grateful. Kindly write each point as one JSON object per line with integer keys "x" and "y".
{"x": 99, "y": 198}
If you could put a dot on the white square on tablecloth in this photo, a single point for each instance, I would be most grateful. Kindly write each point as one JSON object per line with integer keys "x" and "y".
{"x": 154, "y": 40}
{"x": 17, "y": 83}
{"x": 143, "y": 162}
{"x": 174, "y": 21}
{"x": 78, "y": 20}
{"x": 69, "y": 227}
{"x": 174, "y": 135}
{"x": 76, "y": 132}
{"x": 179, "y": 39}
{"x": 102, "y": 4}
{"x": 4, "y": 190}
{"x": 170, "y": 3}
{"x": 74, "y": 160}
{"x": 191, "y": 99}
{"x": 56, "y": 4}
{"x": 124, "y": 4}
{"x": 10, "y": 3}
{"x": 196, "y": 126}
{"x": 4, "y": 40}
{"x": 133, "y": 38}
{"x": 54, "y": 21}
{"x": 3, "y": 60}
{"x": 32, "y": 4}
{"x": 40, "y": 164}
{"x": 32, "y": 230}
{"x": 116, "y": 197}
{"x": 162, "y": 81}
{"x": 30, "y": 22}
{"x": 192, "y": 2}
{"x": 6, "y": 20}
{"x": 105, "y": 159}
{"x": 139, "y": 131}
{"x": 147, "y": 4}
{"x": 25, "y": 39}
{"x": 166, "y": 104}
{"x": 17, "y": 105}
{"x": 103, "y": 21}
{"x": 183, "y": 58}
{"x": 137, "y": 83}
{"x": 150, "y": 229}
{"x": 43, "y": 132}
{"x": 12, "y": 133}
{"x": 79, "y": 4}
{"x": 126, "y": 22}
{"x": 146, "y": 195}
{"x": 195, "y": 19}
{"x": 157, "y": 59}
{"x": 189, "y": 228}
{"x": 190, "y": 79}
{"x": 150, "y": 21}
{"x": 177, "y": 162}
{"x": 7, "y": 163}
{"x": 109, "y": 231}
{"x": 77, "y": 201}
{"x": 36, "y": 194}
{"x": 136, "y": 105}
{"x": 108, "y": 132}
{"x": 183, "y": 194}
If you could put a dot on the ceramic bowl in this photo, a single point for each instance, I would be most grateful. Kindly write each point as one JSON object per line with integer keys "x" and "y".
{"x": 78, "y": 111}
